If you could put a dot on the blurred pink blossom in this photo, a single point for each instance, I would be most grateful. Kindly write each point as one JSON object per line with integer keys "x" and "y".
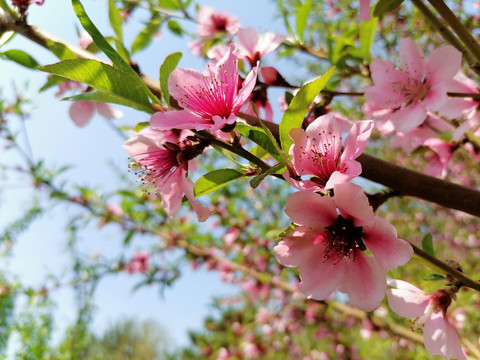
{"x": 81, "y": 112}
{"x": 419, "y": 86}
{"x": 140, "y": 263}
{"x": 430, "y": 311}
{"x": 212, "y": 23}
{"x": 329, "y": 246}
{"x": 253, "y": 46}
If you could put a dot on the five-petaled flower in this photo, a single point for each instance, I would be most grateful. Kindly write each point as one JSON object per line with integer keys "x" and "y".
{"x": 162, "y": 160}
{"x": 430, "y": 311}
{"x": 209, "y": 101}
{"x": 329, "y": 246}
{"x": 420, "y": 85}
{"x": 317, "y": 151}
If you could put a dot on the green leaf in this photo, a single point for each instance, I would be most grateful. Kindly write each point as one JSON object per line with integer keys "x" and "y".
{"x": 227, "y": 154}
{"x": 52, "y": 81}
{"x": 98, "y": 38}
{"x": 296, "y": 111}
{"x": 175, "y": 27}
{"x": 215, "y": 180}
{"x": 115, "y": 20}
{"x": 141, "y": 125}
{"x": 302, "y": 16}
{"x": 101, "y": 96}
{"x": 169, "y": 64}
{"x": 62, "y": 51}
{"x": 21, "y": 57}
{"x": 384, "y": 6}
{"x": 129, "y": 237}
{"x": 427, "y": 244}
{"x": 434, "y": 277}
{"x": 367, "y": 33}
{"x": 284, "y": 15}
{"x": 6, "y": 36}
{"x": 169, "y": 4}
{"x": 102, "y": 77}
{"x": 145, "y": 36}
{"x": 258, "y": 136}
{"x": 259, "y": 152}
{"x": 273, "y": 170}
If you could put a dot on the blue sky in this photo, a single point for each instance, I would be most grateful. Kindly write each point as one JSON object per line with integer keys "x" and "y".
{"x": 53, "y": 136}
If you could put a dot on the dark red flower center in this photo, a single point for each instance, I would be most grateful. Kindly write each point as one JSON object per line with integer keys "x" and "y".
{"x": 343, "y": 240}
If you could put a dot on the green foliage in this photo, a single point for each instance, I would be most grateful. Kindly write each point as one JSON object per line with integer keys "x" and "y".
{"x": 215, "y": 180}
{"x": 384, "y": 6}
{"x": 115, "y": 20}
{"x": 21, "y": 58}
{"x": 168, "y": 65}
{"x": 296, "y": 111}
{"x": 427, "y": 244}
{"x": 302, "y": 17}
{"x": 110, "y": 81}
{"x": 144, "y": 37}
{"x": 258, "y": 136}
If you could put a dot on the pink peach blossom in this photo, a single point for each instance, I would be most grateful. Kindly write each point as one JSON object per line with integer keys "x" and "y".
{"x": 419, "y": 86}
{"x": 140, "y": 263}
{"x": 253, "y": 46}
{"x": 329, "y": 245}
{"x": 430, "y": 311}
{"x": 162, "y": 160}
{"x": 211, "y": 23}
{"x": 82, "y": 112}
{"x": 317, "y": 151}
{"x": 209, "y": 101}
{"x": 439, "y": 156}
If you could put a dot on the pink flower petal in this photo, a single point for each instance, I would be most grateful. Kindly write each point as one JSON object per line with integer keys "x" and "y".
{"x": 441, "y": 339}
{"x": 352, "y": 169}
{"x": 381, "y": 239}
{"x": 247, "y": 39}
{"x": 364, "y": 282}
{"x": 436, "y": 97}
{"x": 320, "y": 277}
{"x": 81, "y": 112}
{"x": 353, "y": 204}
{"x": 181, "y": 119}
{"x": 108, "y": 111}
{"x": 203, "y": 212}
{"x": 364, "y": 10}
{"x": 296, "y": 246}
{"x": 385, "y": 95}
{"x": 310, "y": 209}
{"x": 412, "y": 59}
{"x": 171, "y": 191}
{"x": 443, "y": 64}
{"x": 407, "y": 303}
{"x": 405, "y": 120}
{"x": 357, "y": 139}
{"x": 245, "y": 91}
{"x": 384, "y": 73}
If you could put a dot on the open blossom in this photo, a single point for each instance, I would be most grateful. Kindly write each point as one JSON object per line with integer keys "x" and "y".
{"x": 254, "y": 46}
{"x": 162, "y": 160}
{"x": 211, "y": 23}
{"x": 140, "y": 263}
{"x": 317, "y": 151}
{"x": 210, "y": 101}
{"x": 329, "y": 246}
{"x": 419, "y": 86}
{"x": 430, "y": 311}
